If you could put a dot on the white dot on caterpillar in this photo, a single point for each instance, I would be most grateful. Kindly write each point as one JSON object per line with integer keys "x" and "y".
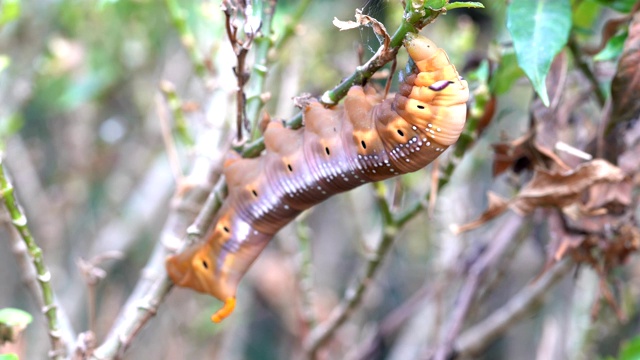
{"x": 418, "y": 148}
{"x": 362, "y": 181}
{"x": 392, "y": 170}
{"x": 407, "y": 160}
{"x": 318, "y": 187}
{"x": 324, "y": 192}
{"x": 428, "y": 143}
{"x": 255, "y": 232}
{"x": 286, "y": 207}
{"x": 438, "y": 129}
{"x": 429, "y": 125}
{"x": 431, "y": 131}
{"x": 373, "y": 171}
{"x": 415, "y": 128}
{"x": 424, "y": 139}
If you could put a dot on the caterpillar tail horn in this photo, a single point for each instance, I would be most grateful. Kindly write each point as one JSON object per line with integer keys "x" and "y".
{"x": 225, "y": 311}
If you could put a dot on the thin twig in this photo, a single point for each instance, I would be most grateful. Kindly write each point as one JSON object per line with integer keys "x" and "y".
{"x": 48, "y": 305}
{"x": 241, "y": 48}
{"x": 479, "y": 336}
{"x": 467, "y": 293}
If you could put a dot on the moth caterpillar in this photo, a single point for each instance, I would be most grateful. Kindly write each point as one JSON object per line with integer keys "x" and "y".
{"x": 366, "y": 139}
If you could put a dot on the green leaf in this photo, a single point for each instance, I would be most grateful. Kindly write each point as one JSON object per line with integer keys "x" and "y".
{"x": 12, "y": 322}
{"x": 623, "y": 6}
{"x": 507, "y": 73}
{"x": 631, "y": 349}
{"x": 539, "y": 29}
{"x": 15, "y": 317}
{"x": 9, "y": 11}
{"x": 8, "y": 357}
{"x": 613, "y": 49}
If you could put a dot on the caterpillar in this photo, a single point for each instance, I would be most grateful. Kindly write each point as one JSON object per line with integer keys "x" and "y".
{"x": 342, "y": 147}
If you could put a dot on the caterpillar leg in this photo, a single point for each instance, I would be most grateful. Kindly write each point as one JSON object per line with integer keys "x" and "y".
{"x": 225, "y": 311}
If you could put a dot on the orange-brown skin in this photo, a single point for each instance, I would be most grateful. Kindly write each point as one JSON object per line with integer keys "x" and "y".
{"x": 367, "y": 139}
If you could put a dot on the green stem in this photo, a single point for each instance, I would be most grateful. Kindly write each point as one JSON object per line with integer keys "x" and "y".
{"x": 19, "y": 221}
{"x": 306, "y": 273}
{"x": 263, "y": 43}
{"x": 174, "y": 102}
{"x": 290, "y": 27}
{"x": 353, "y": 296}
{"x": 586, "y": 70}
{"x": 179, "y": 20}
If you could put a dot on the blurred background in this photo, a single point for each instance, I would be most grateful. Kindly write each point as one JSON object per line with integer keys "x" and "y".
{"x": 85, "y": 123}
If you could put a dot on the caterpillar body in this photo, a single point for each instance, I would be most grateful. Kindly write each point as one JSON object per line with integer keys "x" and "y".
{"x": 366, "y": 139}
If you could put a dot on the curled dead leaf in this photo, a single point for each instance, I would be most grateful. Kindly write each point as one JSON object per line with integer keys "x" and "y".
{"x": 558, "y": 189}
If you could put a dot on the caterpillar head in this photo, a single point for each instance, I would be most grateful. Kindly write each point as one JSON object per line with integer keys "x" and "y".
{"x": 434, "y": 99}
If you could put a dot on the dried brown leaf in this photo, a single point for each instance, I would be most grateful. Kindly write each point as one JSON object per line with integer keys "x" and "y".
{"x": 558, "y": 189}
{"x": 524, "y": 152}
{"x": 364, "y": 20}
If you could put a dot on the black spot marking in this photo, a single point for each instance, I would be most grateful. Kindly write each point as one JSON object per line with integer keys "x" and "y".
{"x": 205, "y": 264}
{"x": 400, "y": 132}
{"x": 327, "y": 151}
{"x": 289, "y": 167}
{"x": 226, "y": 229}
{"x": 421, "y": 107}
{"x": 255, "y": 193}
{"x": 364, "y": 146}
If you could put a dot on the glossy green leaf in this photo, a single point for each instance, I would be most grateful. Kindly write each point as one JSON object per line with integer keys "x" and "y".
{"x": 8, "y": 357}
{"x": 507, "y": 73}
{"x": 9, "y": 11}
{"x": 539, "y": 29}
{"x": 613, "y": 49}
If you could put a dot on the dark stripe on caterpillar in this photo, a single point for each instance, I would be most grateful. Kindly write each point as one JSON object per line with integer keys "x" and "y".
{"x": 366, "y": 139}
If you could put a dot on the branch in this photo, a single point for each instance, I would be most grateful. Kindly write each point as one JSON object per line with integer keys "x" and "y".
{"x": 467, "y": 293}
{"x": 479, "y": 336}
{"x": 46, "y": 297}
